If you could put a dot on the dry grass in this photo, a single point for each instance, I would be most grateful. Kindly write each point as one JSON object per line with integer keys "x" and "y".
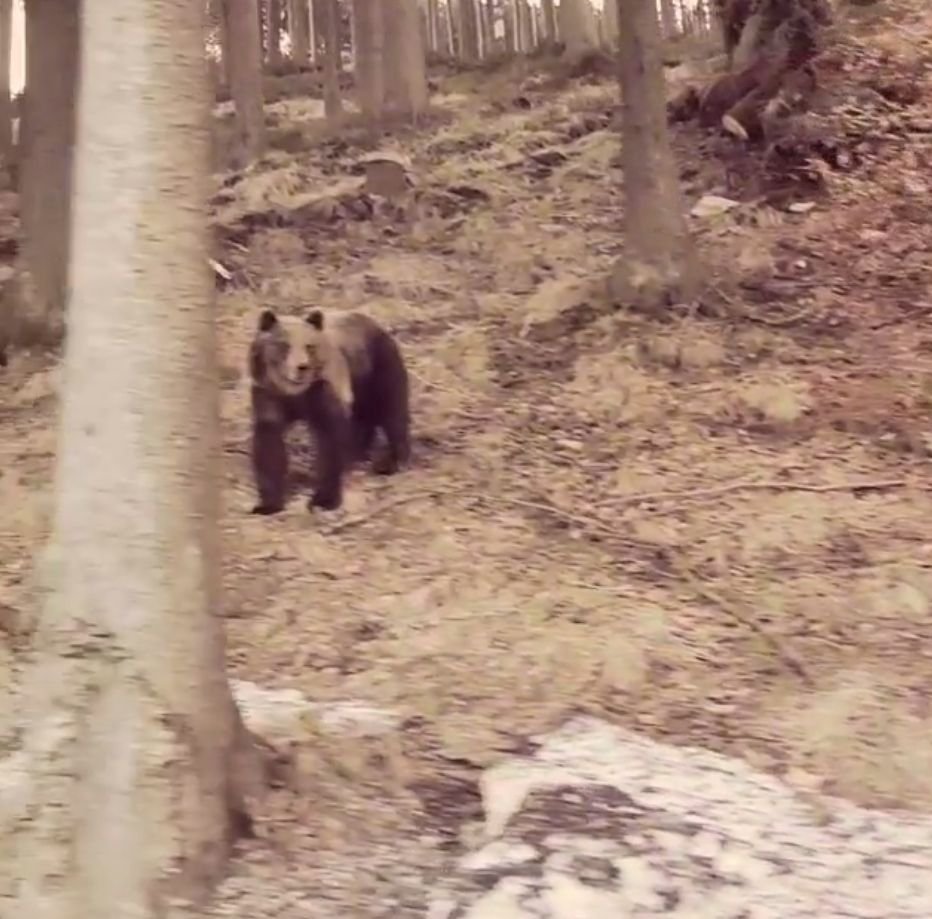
{"x": 514, "y": 575}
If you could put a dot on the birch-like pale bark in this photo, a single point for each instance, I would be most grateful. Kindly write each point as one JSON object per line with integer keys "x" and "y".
{"x": 132, "y": 743}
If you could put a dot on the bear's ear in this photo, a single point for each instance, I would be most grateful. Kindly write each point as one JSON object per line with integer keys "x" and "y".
{"x": 315, "y": 318}
{"x": 267, "y": 320}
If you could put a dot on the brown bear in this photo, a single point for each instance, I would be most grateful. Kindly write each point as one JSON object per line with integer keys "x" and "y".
{"x": 344, "y": 376}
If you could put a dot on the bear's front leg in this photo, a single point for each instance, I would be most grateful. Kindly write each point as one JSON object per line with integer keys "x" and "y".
{"x": 269, "y": 455}
{"x": 332, "y": 432}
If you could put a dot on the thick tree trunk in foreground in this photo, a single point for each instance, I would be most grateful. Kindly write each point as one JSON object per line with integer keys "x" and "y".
{"x": 659, "y": 263}
{"x": 47, "y": 133}
{"x": 130, "y": 730}
{"x": 242, "y": 54}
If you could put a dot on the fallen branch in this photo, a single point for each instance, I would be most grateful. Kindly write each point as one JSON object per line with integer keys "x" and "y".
{"x": 384, "y": 506}
{"x": 769, "y": 485}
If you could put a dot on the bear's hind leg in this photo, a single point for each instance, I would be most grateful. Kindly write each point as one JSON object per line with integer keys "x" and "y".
{"x": 363, "y": 435}
{"x": 397, "y": 450}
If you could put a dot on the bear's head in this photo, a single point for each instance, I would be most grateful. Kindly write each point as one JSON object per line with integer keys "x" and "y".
{"x": 289, "y": 354}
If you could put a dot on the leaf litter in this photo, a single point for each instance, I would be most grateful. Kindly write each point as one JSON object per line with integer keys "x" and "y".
{"x": 725, "y": 545}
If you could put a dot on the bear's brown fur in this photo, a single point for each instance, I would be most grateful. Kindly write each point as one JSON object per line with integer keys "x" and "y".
{"x": 344, "y": 376}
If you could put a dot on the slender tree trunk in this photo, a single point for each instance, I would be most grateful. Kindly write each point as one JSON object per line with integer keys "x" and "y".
{"x": 469, "y": 30}
{"x": 577, "y": 26}
{"x": 243, "y": 55}
{"x": 368, "y": 17}
{"x": 550, "y": 20}
{"x": 315, "y": 38}
{"x": 274, "y": 45}
{"x": 510, "y": 24}
{"x": 6, "y": 108}
{"x": 610, "y": 23}
{"x": 524, "y": 28}
{"x": 131, "y": 732}
{"x": 433, "y": 30}
{"x": 668, "y": 18}
{"x": 299, "y": 27}
{"x": 333, "y": 104}
{"x": 659, "y": 264}
{"x": 47, "y": 133}
{"x": 405, "y": 78}
{"x": 449, "y": 35}
{"x": 488, "y": 27}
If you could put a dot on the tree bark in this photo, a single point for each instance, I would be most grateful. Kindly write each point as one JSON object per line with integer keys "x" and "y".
{"x": 369, "y": 56}
{"x": 577, "y": 26}
{"x": 274, "y": 41}
{"x": 550, "y": 20}
{"x": 130, "y": 727}
{"x": 523, "y": 26}
{"x": 330, "y": 16}
{"x": 299, "y": 29}
{"x": 659, "y": 265}
{"x": 668, "y": 18}
{"x": 6, "y": 107}
{"x": 47, "y": 135}
{"x": 243, "y": 55}
{"x": 433, "y": 26}
{"x": 469, "y": 30}
{"x": 405, "y": 77}
{"x": 610, "y": 23}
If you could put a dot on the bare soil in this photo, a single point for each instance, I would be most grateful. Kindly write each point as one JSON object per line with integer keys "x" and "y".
{"x": 712, "y": 526}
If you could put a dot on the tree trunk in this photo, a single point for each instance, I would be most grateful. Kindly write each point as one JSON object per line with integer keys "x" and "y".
{"x": 668, "y": 18}
{"x": 243, "y": 54}
{"x": 274, "y": 45}
{"x": 330, "y": 16}
{"x": 131, "y": 732}
{"x": 315, "y": 37}
{"x": 47, "y": 133}
{"x": 369, "y": 56}
{"x": 577, "y": 26}
{"x": 610, "y": 23}
{"x": 659, "y": 264}
{"x": 6, "y": 108}
{"x": 299, "y": 28}
{"x": 509, "y": 15}
{"x": 433, "y": 26}
{"x": 449, "y": 36}
{"x": 523, "y": 24}
{"x": 550, "y": 20}
{"x": 405, "y": 78}
{"x": 469, "y": 30}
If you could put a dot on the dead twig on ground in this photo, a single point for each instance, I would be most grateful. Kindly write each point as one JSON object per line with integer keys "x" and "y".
{"x": 384, "y": 506}
{"x": 767, "y": 485}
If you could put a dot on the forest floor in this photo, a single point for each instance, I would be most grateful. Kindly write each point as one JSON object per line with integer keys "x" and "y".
{"x": 712, "y": 527}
